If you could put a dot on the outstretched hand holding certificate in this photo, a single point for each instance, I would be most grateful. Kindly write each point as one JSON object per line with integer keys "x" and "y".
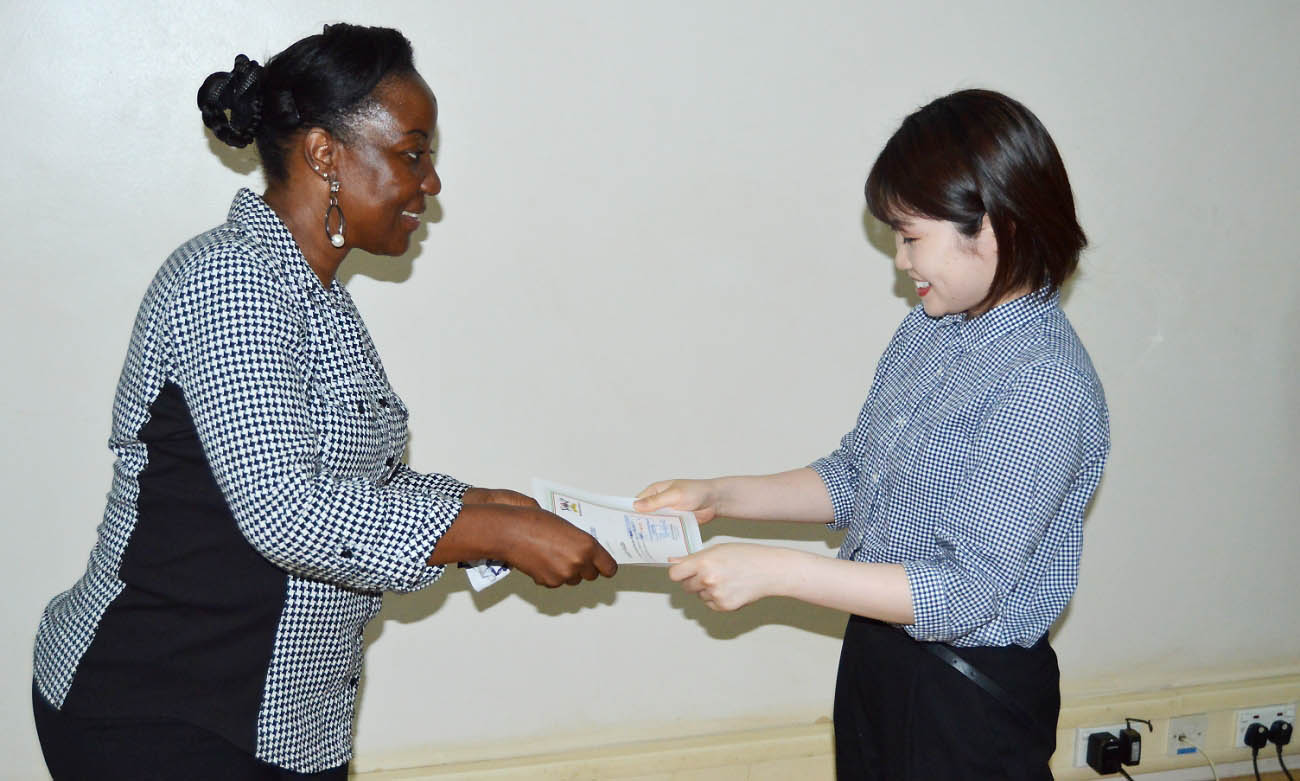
{"x": 631, "y": 537}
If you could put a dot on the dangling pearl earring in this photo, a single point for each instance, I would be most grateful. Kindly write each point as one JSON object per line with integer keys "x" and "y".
{"x": 336, "y": 237}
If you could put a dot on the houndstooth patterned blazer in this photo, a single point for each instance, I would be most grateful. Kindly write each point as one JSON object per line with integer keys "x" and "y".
{"x": 258, "y": 508}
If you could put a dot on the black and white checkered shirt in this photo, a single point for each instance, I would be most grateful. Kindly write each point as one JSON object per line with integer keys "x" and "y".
{"x": 973, "y": 458}
{"x": 258, "y": 509}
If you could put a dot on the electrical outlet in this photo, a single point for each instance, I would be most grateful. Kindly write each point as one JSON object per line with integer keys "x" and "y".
{"x": 1266, "y": 715}
{"x": 1081, "y": 740}
{"x": 1193, "y": 727}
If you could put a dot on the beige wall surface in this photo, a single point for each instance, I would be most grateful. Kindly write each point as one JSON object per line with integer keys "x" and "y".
{"x": 650, "y": 259}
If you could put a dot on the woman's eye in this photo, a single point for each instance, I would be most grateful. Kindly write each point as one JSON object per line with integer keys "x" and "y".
{"x": 908, "y": 239}
{"x": 414, "y": 155}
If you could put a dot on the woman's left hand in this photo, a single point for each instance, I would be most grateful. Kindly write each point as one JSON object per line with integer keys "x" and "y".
{"x": 497, "y": 496}
{"x": 729, "y": 576}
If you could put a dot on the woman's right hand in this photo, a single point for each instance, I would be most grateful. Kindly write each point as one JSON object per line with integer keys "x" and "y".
{"x": 697, "y": 496}
{"x": 553, "y": 551}
{"x": 540, "y": 544}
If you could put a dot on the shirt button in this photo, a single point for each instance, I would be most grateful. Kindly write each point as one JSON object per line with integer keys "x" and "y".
{"x": 390, "y": 461}
{"x": 346, "y": 553}
{"x": 875, "y": 477}
{"x": 353, "y": 681}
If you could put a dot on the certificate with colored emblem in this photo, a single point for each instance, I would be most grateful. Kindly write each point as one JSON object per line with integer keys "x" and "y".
{"x": 629, "y": 536}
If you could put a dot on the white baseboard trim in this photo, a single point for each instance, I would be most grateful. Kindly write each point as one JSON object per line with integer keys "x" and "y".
{"x": 568, "y": 760}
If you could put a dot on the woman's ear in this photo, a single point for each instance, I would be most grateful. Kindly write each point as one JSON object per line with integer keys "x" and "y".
{"x": 986, "y": 241}
{"x": 318, "y": 148}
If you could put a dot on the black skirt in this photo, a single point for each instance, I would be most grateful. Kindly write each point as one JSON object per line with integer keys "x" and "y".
{"x": 902, "y": 713}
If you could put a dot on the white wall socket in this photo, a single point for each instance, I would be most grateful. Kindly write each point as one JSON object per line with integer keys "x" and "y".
{"x": 1194, "y": 727}
{"x": 1266, "y": 715}
{"x": 1081, "y": 740}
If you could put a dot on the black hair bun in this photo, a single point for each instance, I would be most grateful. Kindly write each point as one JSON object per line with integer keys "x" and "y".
{"x": 232, "y": 102}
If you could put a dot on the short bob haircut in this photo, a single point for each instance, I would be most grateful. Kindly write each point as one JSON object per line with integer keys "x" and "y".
{"x": 975, "y": 153}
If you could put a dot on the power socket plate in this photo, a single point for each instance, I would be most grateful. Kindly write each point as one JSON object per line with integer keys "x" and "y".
{"x": 1264, "y": 714}
{"x": 1194, "y": 727}
{"x": 1081, "y": 740}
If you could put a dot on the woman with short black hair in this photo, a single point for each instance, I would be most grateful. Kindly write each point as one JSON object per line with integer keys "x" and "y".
{"x": 259, "y": 505}
{"x": 964, "y": 481}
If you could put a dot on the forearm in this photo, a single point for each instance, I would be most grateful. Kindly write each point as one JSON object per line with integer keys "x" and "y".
{"x": 798, "y": 495}
{"x": 732, "y": 575}
{"x": 879, "y": 591}
{"x": 345, "y": 532}
{"x": 480, "y": 531}
{"x": 546, "y": 547}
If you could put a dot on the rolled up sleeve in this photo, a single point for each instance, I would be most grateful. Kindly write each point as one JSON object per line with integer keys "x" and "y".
{"x": 407, "y": 478}
{"x": 1043, "y": 436}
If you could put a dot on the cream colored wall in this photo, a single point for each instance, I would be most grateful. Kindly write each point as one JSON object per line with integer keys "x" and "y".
{"x": 651, "y": 261}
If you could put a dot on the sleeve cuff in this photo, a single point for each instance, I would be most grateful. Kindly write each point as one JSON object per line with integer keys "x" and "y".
{"x": 838, "y": 479}
{"x": 448, "y": 486}
{"x": 929, "y": 602}
{"x": 406, "y": 477}
{"x": 376, "y": 563}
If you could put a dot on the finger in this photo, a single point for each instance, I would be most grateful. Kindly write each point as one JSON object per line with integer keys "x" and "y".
{"x": 605, "y": 563}
{"x": 575, "y": 580}
{"x": 681, "y": 570}
{"x": 668, "y": 497}
{"x": 653, "y": 488}
{"x": 693, "y": 586}
{"x": 701, "y": 585}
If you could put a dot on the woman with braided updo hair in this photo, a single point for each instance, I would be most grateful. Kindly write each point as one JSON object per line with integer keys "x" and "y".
{"x": 259, "y": 505}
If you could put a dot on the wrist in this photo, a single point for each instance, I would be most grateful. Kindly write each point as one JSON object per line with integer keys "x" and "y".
{"x": 722, "y": 491}
{"x": 787, "y": 572}
{"x": 509, "y": 531}
{"x": 480, "y": 531}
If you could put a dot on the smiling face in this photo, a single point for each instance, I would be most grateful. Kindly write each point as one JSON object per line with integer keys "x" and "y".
{"x": 385, "y": 169}
{"x": 952, "y": 272}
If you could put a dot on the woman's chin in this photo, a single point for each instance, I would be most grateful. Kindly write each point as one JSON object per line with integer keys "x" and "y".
{"x": 395, "y": 246}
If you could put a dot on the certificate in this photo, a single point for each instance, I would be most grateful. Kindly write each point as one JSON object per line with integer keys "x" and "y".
{"x": 631, "y": 537}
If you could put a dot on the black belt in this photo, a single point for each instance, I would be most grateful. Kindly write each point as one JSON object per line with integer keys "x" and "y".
{"x": 986, "y": 683}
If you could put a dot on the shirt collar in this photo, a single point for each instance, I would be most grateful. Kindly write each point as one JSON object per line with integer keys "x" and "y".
{"x": 260, "y": 222}
{"x": 1003, "y": 319}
